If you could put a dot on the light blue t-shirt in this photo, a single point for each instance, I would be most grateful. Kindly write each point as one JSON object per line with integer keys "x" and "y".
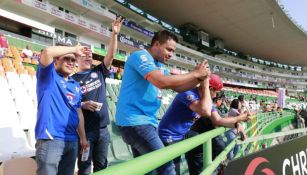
{"x": 139, "y": 100}
{"x": 58, "y": 103}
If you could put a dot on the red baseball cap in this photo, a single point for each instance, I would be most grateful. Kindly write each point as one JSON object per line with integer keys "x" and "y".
{"x": 216, "y": 82}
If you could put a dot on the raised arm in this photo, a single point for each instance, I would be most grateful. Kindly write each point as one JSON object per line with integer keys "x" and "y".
{"x": 55, "y": 51}
{"x": 179, "y": 83}
{"x": 204, "y": 105}
{"x": 116, "y": 26}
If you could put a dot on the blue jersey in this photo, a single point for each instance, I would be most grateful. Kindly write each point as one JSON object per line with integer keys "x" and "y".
{"x": 58, "y": 103}
{"x": 93, "y": 87}
{"x": 138, "y": 100}
{"x": 178, "y": 118}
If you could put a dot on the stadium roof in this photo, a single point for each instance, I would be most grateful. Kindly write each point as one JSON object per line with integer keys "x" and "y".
{"x": 258, "y": 28}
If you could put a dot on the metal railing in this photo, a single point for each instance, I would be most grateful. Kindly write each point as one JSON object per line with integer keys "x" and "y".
{"x": 148, "y": 162}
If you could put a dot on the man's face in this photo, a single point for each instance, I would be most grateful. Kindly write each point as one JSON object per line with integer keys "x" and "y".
{"x": 85, "y": 62}
{"x": 166, "y": 50}
{"x": 219, "y": 102}
{"x": 65, "y": 64}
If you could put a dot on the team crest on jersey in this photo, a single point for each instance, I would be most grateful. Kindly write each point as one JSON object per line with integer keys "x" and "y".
{"x": 83, "y": 89}
{"x": 94, "y": 75}
{"x": 70, "y": 97}
{"x": 143, "y": 58}
{"x": 190, "y": 97}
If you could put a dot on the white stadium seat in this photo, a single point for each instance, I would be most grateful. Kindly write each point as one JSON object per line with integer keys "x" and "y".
{"x": 13, "y": 143}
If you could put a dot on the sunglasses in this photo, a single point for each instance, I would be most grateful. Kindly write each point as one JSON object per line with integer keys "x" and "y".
{"x": 69, "y": 59}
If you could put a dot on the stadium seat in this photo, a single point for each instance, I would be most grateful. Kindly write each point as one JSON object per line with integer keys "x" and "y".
{"x": 111, "y": 92}
{"x": 15, "y": 53}
{"x": 34, "y": 61}
{"x": 8, "y": 115}
{"x": 112, "y": 108}
{"x": 120, "y": 150}
{"x": 24, "y": 102}
{"x": 13, "y": 143}
{"x": 11, "y": 132}
{"x": 115, "y": 89}
{"x": 18, "y": 166}
{"x": 27, "y": 60}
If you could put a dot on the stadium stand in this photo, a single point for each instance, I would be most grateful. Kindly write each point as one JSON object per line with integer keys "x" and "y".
{"x": 18, "y": 93}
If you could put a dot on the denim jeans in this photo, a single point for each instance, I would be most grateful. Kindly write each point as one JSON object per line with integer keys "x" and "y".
{"x": 218, "y": 145}
{"x": 99, "y": 142}
{"x": 144, "y": 139}
{"x": 56, "y": 157}
{"x": 231, "y": 135}
{"x": 195, "y": 156}
{"x": 177, "y": 160}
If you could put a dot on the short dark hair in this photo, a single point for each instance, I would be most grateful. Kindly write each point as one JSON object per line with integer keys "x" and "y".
{"x": 241, "y": 98}
{"x": 219, "y": 96}
{"x": 234, "y": 104}
{"x": 163, "y": 36}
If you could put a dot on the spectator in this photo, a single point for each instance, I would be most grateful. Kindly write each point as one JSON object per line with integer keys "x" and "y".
{"x": 268, "y": 108}
{"x": 187, "y": 108}
{"x": 235, "y": 107}
{"x": 223, "y": 107}
{"x": 303, "y": 114}
{"x": 279, "y": 109}
{"x": 184, "y": 110}
{"x": 118, "y": 75}
{"x": 218, "y": 143}
{"x": 36, "y": 56}
{"x": 121, "y": 71}
{"x": 244, "y": 104}
{"x": 142, "y": 82}
{"x": 27, "y": 52}
{"x": 94, "y": 105}
{"x": 195, "y": 157}
{"x": 3, "y": 45}
{"x": 59, "y": 115}
{"x": 112, "y": 72}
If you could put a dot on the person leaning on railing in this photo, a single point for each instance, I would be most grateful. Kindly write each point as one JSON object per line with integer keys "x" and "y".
{"x": 191, "y": 106}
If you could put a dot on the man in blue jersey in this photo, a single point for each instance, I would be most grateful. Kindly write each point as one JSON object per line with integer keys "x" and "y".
{"x": 140, "y": 94}
{"x": 94, "y": 105}
{"x": 59, "y": 117}
{"x": 190, "y": 106}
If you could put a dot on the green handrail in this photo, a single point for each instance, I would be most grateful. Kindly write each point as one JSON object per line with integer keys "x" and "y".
{"x": 159, "y": 157}
{"x": 263, "y": 124}
{"x": 207, "y": 147}
{"x": 148, "y": 162}
{"x": 218, "y": 159}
